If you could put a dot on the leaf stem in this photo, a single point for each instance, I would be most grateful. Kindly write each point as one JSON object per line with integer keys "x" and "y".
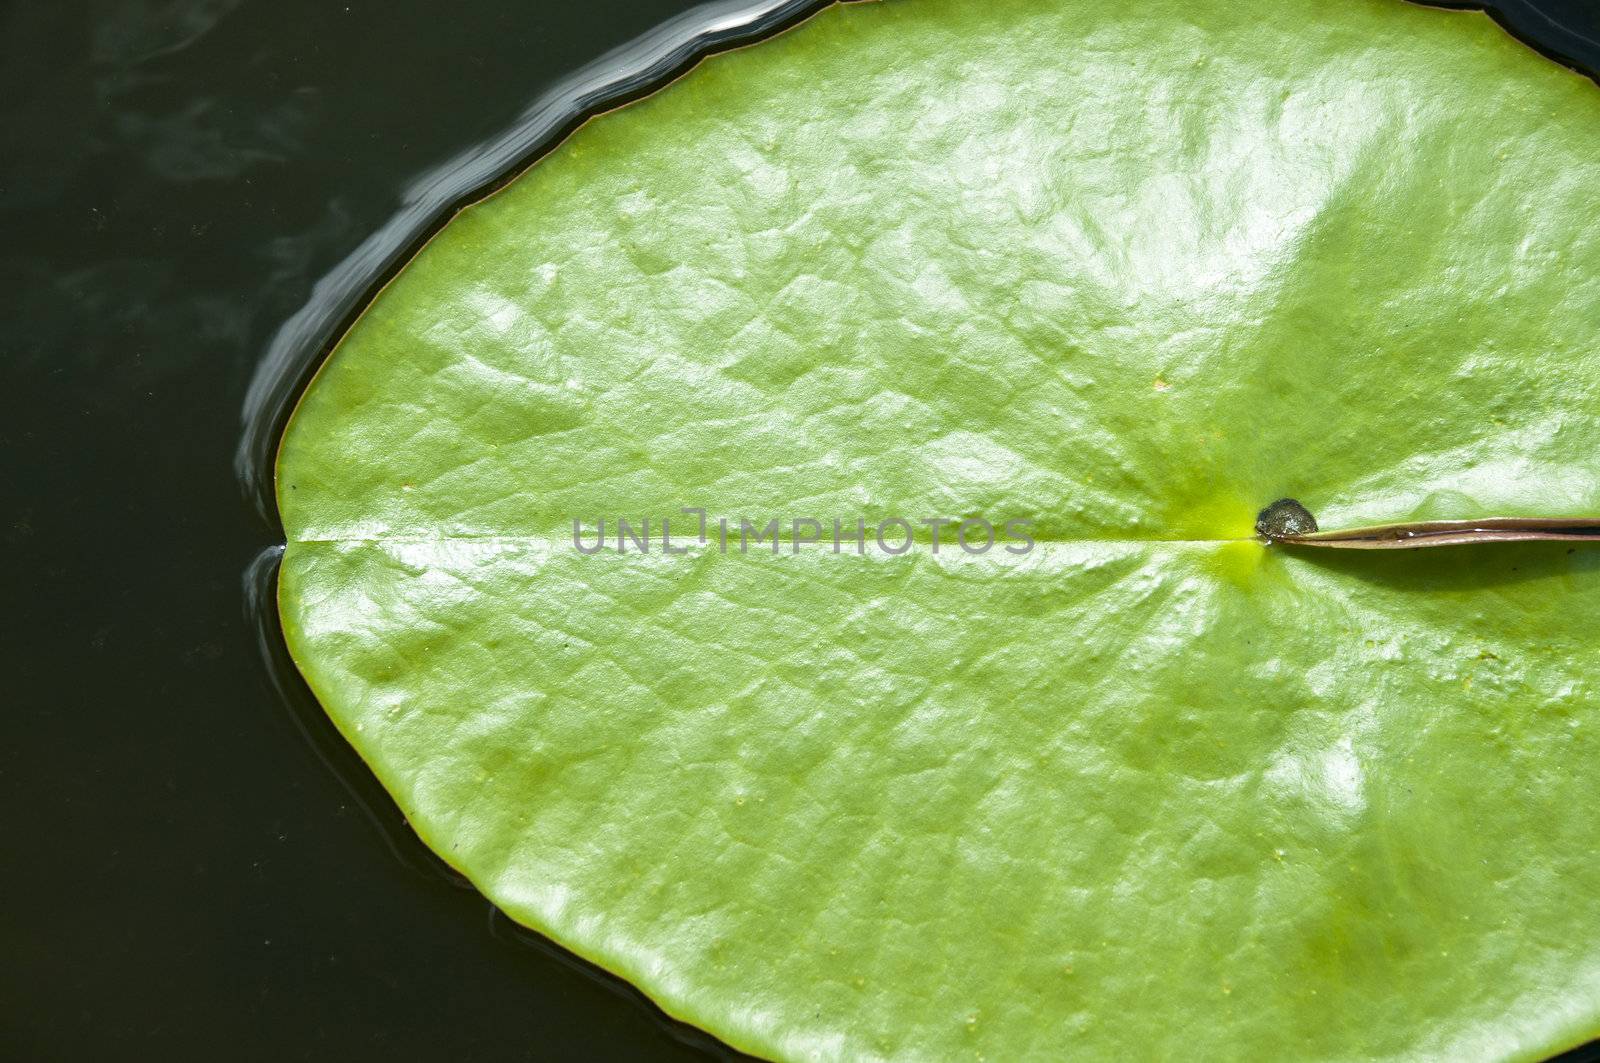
{"x": 1289, "y": 523}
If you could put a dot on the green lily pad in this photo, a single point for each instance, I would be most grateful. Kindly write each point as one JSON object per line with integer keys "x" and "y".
{"x": 1150, "y": 789}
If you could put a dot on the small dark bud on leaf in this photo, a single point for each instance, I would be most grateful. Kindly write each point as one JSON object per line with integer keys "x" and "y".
{"x": 1285, "y": 518}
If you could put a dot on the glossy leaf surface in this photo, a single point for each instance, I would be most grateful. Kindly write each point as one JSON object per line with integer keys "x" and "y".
{"x": 1152, "y": 790}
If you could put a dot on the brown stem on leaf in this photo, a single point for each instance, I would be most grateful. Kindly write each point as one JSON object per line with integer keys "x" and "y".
{"x": 1287, "y": 522}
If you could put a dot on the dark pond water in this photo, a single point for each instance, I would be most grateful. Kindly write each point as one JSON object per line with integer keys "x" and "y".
{"x": 196, "y": 867}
